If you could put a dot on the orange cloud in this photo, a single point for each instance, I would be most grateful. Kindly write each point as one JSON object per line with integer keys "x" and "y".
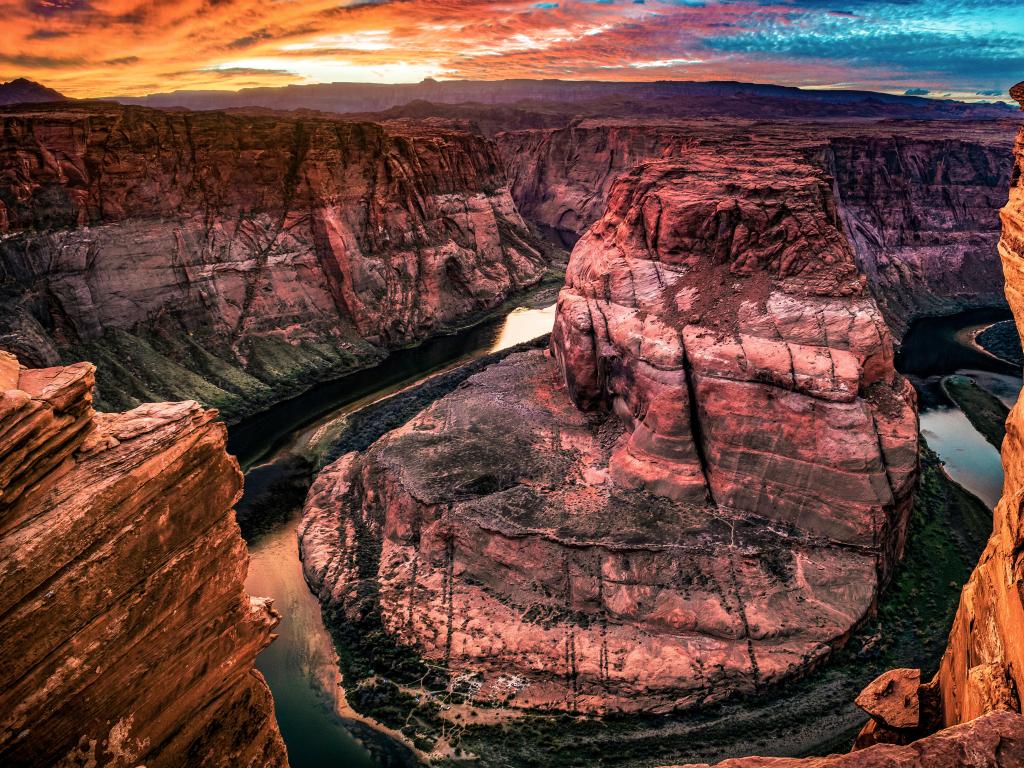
{"x": 90, "y": 48}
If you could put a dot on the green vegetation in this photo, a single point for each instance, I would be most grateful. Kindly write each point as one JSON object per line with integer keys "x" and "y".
{"x": 985, "y": 411}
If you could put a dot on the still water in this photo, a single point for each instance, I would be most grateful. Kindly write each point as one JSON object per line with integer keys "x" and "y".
{"x": 301, "y": 666}
{"x": 938, "y": 347}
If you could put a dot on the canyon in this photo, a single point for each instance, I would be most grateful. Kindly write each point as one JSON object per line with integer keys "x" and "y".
{"x": 128, "y": 639}
{"x": 698, "y": 491}
{"x": 918, "y": 201}
{"x": 969, "y": 713}
{"x": 982, "y": 668}
{"x": 236, "y": 258}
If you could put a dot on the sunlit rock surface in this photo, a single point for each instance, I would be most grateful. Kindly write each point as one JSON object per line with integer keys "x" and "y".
{"x": 127, "y": 637}
{"x": 231, "y": 258}
{"x": 983, "y": 668}
{"x": 699, "y": 493}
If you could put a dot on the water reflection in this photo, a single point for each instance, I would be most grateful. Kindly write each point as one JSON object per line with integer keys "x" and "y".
{"x": 970, "y": 459}
{"x": 938, "y": 347}
{"x": 301, "y": 666}
{"x": 523, "y": 324}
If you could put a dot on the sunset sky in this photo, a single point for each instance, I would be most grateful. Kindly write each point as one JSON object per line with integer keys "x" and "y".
{"x": 971, "y": 49}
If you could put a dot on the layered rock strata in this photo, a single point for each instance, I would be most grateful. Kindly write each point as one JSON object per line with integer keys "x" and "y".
{"x": 918, "y": 201}
{"x": 127, "y": 637}
{"x": 227, "y": 257}
{"x": 983, "y": 668}
{"x": 993, "y": 741}
{"x": 699, "y": 492}
{"x": 971, "y": 708}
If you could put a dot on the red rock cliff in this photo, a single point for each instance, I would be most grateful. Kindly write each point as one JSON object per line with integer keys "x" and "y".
{"x": 983, "y": 668}
{"x": 969, "y": 714}
{"x": 127, "y": 637}
{"x": 718, "y": 513}
{"x": 917, "y": 200}
{"x": 227, "y": 257}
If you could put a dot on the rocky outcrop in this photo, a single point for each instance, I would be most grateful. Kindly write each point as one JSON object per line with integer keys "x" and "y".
{"x": 983, "y": 668}
{"x": 233, "y": 257}
{"x": 127, "y": 637}
{"x": 971, "y": 708}
{"x": 698, "y": 492}
{"x": 918, "y": 201}
{"x": 993, "y": 741}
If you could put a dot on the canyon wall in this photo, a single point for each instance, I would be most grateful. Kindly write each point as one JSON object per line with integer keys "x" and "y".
{"x": 969, "y": 714}
{"x": 918, "y": 201}
{"x": 127, "y": 636}
{"x": 231, "y": 258}
{"x": 698, "y": 492}
{"x": 983, "y": 668}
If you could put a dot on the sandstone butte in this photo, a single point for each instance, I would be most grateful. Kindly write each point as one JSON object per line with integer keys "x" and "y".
{"x": 231, "y": 258}
{"x": 127, "y": 636}
{"x": 919, "y": 200}
{"x": 698, "y": 491}
{"x": 969, "y": 713}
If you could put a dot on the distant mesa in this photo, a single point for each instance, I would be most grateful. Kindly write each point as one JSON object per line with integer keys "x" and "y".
{"x": 24, "y": 91}
{"x": 667, "y": 98}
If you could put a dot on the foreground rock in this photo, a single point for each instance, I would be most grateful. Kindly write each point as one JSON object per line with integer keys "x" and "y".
{"x": 128, "y": 639}
{"x": 699, "y": 495}
{"x": 918, "y": 201}
{"x": 232, "y": 257}
{"x": 993, "y": 741}
{"x": 983, "y": 668}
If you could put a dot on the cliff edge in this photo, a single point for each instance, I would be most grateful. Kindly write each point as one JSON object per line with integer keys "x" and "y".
{"x": 127, "y": 636}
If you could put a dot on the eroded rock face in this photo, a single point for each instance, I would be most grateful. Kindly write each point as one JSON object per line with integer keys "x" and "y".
{"x": 983, "y": 668}
{"x": 917, "y": 200}
{"x": 976, "y": 693}
{"x": 993, "y": 741}
{"x": 228, "y": 256}
{"x": 697, "y": 494}
{"x": 717, "y": 309}
{"x": 128, "y": 639}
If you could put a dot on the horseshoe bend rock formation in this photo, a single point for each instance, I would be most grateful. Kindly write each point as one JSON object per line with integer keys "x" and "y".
{"x": 127, "y": 636}
{"x": 918, "y": 200}
{"x": 717, "y": 512}
{"x": 227, "y": 257}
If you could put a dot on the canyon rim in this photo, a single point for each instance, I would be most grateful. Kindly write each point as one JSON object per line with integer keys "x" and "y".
{"x": 390, "y": 385}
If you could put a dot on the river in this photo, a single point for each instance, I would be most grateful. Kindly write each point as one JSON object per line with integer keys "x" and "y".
{"x": 301, "y": 665}
{"x": 937, "y": 347}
